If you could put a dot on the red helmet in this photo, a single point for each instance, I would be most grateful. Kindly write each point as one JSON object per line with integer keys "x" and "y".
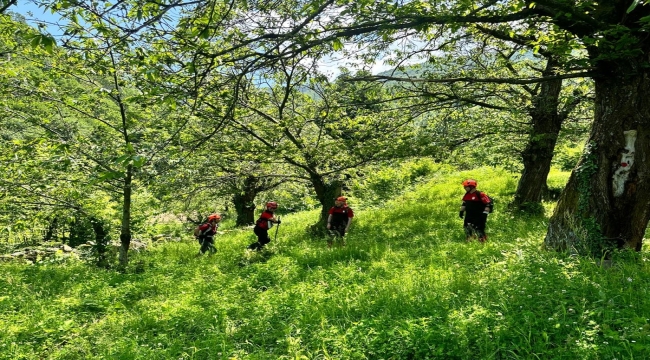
{"x": 214, "y": 217}
{"x": 469, "y": 182}
{"x": 342, "y": 198}
{"x": 271, "y": 205}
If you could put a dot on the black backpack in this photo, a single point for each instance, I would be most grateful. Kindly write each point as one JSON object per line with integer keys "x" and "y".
{"x": 490, "y": 205}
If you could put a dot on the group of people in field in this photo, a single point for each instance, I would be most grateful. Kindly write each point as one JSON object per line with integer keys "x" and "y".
{"x": 474, "y": 210}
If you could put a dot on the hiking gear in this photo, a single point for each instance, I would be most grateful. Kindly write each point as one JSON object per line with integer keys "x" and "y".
{"x": 476, "y": 202}
{"x": 340, "y": 215}
{"x": 271, "y": 205}
{"x": 264, "y": 222}
{"x": 205, "y": 230}
{"x": 470, "y": 183}
{"x": 461, "y": 214}
{"x": 214, "y": 217}
{"x": 277, "y": 228}
{"x": 490, "y": 203}
{"x": 261, "y": 229}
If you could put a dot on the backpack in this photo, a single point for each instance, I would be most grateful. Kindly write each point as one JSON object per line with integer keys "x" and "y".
{"x": 490, "y": 205}
{"x": 197, "y": 231}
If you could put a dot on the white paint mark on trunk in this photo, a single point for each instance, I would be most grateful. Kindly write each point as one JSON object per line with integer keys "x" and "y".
{"x": 627, "y": 159}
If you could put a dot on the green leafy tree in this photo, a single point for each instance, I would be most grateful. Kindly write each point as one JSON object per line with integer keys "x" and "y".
{"x": 474, "y": 72}
{"x": 314, "y": 126}
{"x": 610, "y": 38}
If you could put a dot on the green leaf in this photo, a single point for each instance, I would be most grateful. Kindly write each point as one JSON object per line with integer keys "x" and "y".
{"x": 122, "y": 159}
{"x": 138, "y": 161}
{"x": 337, "y": 45}
{"x": 36, "y": 40}
{"x": 633, "y": 6}
{"x": 48, "y": 43}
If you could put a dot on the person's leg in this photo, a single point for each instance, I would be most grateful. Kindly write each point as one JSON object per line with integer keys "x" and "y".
{"x": 333, "y": 235}
{"x": 480, "y": 228}
{"x": 262, "y": 239}
{"x": 341, "y": 237}
{"x": 469, "y": 230}
{"x": 211, "y": 247}
{"x": 205, "y": 244}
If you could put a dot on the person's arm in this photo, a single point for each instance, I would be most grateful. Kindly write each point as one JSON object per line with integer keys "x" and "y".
{"x": 329, "y": 221}
{"x": 461, "y": 214}
{"x": 348, "y": 225}
{"x": 485, "y": 200}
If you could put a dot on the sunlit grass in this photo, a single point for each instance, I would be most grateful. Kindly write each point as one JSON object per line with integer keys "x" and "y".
{"x": 406, "y": 286}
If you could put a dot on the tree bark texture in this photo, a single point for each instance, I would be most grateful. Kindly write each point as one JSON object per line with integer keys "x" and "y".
{"x": 606, "y": 203}
{"x": 546, "y": 125}
{"x": 245, "y": 202}
{"x": 326, "y": 192}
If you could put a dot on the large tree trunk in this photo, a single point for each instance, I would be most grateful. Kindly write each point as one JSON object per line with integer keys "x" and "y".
{"x": 606, "y": 203}
{"x": 245, "y": 202}
{"x": 326, "y": 192}
{"x": 547, "y": 123}
{"x": 125, "y": 232}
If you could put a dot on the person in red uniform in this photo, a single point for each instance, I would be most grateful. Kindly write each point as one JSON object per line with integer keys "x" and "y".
{"x": 262, "y": 226}
{"x": 475, "y": 210}
{"x": 339, "y": 219}
{"x": 205, "y": 233}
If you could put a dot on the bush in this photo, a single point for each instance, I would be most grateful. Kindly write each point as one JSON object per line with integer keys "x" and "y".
{"x": 567, "y": 156}
{"x": 385, "y": 181}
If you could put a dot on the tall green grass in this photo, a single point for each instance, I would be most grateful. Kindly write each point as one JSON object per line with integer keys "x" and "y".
{"x": 406, "y": 286}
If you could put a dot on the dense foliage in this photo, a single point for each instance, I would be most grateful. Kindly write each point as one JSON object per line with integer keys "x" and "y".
{"x": 407, "y": 285}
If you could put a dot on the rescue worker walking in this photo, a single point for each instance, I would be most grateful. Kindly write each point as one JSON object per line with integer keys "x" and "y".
{"x": 339, "y": 220}
{"x": 205, "y": 234}
{"x": 474, "y": 209}
{"x": 262, "y": 226}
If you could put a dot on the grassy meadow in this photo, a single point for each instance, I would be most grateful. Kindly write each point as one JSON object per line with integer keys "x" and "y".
{"x": 406, "y": 286}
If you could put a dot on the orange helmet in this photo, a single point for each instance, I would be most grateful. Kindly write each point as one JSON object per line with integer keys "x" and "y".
{"x": 271, "y": 205}
{"x": 214, "y": 217}
{"x": 342, "y": 198}
{"x": 469, "y": 182}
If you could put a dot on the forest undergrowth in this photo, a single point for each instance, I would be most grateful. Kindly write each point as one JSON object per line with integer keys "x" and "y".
{"x": 406, "y": 286}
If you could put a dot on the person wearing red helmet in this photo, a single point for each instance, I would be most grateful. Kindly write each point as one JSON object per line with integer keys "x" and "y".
{"x": 205, "y": 233}
{"x": 339, "y": 219}
{"x": 262, "y": 226}
{"x": 474, "y": 209}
